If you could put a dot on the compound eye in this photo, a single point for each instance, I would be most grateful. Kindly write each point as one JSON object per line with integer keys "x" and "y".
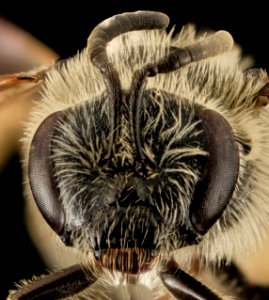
{"x": 221, "y": 171}
{"x": 40, "y": 172}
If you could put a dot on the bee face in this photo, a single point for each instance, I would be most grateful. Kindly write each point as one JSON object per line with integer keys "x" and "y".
{"x": 144, "y": 194}
{"x": 125, "y": 202}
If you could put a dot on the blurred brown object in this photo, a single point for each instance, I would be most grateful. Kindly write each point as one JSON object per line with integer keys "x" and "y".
{"x": 19, "y": 52}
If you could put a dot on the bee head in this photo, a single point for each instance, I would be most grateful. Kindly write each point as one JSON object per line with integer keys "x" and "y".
{"x": 134, "y": 171}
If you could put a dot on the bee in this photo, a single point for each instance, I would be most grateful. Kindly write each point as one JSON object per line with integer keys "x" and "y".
{"x": 146, "y": 153}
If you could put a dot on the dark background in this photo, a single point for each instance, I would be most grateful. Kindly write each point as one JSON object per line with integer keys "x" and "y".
{"x": 65, "y": 29}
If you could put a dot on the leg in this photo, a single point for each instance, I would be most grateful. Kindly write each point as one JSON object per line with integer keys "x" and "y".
{"x": 183, "y": 286}
{"x": 59, "y": 285}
